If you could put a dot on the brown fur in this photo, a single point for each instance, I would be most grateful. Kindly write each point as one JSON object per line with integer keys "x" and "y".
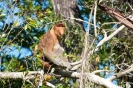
{"x": 51, "y": 39}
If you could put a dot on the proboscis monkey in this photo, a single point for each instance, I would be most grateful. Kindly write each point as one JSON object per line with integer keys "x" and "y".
{"x": 50, "y": 45}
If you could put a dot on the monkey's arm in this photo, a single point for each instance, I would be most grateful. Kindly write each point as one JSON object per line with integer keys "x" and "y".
{"x": 51, "y": 56}
{"x": 58, "y": 50}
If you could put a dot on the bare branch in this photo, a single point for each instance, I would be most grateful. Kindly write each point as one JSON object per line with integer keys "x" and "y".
{"x": 118, "y": 16}
{"x": 50, "y": 85}
{"x": 68, "y": 18}
{"x": 32, "y": 74}
{"x": 95, "y": 29}
{"x": 120, "y": 74}
{"x": 101, "y": 81}
{"x": 75, "y": 63}
{"x": 90, "y": 76}
{"x": 76, "y": 67}
{"x": 86, "y": 44}
{"x": 98, "y": 71}
{"x": 105, "y": 39}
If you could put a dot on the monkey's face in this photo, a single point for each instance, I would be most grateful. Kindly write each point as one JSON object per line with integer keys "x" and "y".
{"x": 60, "y": 31}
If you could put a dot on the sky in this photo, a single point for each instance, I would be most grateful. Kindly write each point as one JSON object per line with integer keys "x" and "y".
{"x": 10, "y": 17}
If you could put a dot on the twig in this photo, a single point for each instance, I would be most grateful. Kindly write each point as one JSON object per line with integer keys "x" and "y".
{"x": 75, "y": 63}
{"x": 105, "y": 39}
{"x": 95, "y": 29}
{"x": 30, "y": 82}
{"x": 107, "y": 23}
{"x": 98, "y": 71}
{"x": 50, "y": 85}
{"x": 120, "y": 74}
{"x": 76, "y": 67}
{"x": 68, "y": 18}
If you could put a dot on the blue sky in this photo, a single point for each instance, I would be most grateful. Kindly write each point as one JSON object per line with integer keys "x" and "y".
{"x": 10, "y": 17}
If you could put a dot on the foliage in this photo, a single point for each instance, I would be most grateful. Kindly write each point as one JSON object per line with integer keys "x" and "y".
{"x": 29, "y": 20}
{"x": 22, "y": 24}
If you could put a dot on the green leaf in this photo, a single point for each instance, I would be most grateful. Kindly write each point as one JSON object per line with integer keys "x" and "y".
{"x": 16, "y": 24}
{"x": 29, "y": 27}
{"x": 18, "y": 49}
{"x": 41, "y": 20}
{"x": 25, "y": 27}
{"x": 35, "y": 38}
{"x": 2, "y": 16}
{"x": 48, "y": 11}
{"x": 36, "y": 7}
{"x": 3, "y": 81}
{"x": 29, "y": 18}
{"x": 2, "y": 35}
{"x": 33, "y": 23}
{"x": 30, "y": 6}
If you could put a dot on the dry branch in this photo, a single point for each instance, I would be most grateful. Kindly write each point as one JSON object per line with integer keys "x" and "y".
{"x": 118, "y": 16}
{"x": 90, "y": 76}
{"x": 63, "y": 73}
{"x": 26, "y": 76}
{"x": 120, "y": 74}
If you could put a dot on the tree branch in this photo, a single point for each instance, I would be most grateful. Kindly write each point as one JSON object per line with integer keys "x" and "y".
{"x": 90, "y": 76}
{"x": 105, "y": 39}
{"x": 120, "y": 74}
{"x": 118, "y": 16}
{"x": 32, "y": 74}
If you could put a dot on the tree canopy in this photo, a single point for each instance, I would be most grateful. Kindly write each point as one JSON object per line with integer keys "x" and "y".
{"x": 98, "y": 43}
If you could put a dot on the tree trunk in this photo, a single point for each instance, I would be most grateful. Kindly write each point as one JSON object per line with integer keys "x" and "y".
{"x": 68, "y": 9}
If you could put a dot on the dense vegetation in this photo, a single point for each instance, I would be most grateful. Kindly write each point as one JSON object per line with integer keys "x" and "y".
{"x": 23, "y": 22}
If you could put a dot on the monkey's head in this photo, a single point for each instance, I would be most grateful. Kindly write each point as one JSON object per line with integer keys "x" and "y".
{"x": 59, "y": 29}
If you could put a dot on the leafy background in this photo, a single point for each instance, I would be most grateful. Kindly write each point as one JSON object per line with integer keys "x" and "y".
{"x": 22, "y": 24}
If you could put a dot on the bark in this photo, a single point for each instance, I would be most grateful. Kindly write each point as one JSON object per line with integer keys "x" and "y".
{"x": 32, "y": 75}
{"x": 68, "y": 9}
{"x": 118, "y": 16}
